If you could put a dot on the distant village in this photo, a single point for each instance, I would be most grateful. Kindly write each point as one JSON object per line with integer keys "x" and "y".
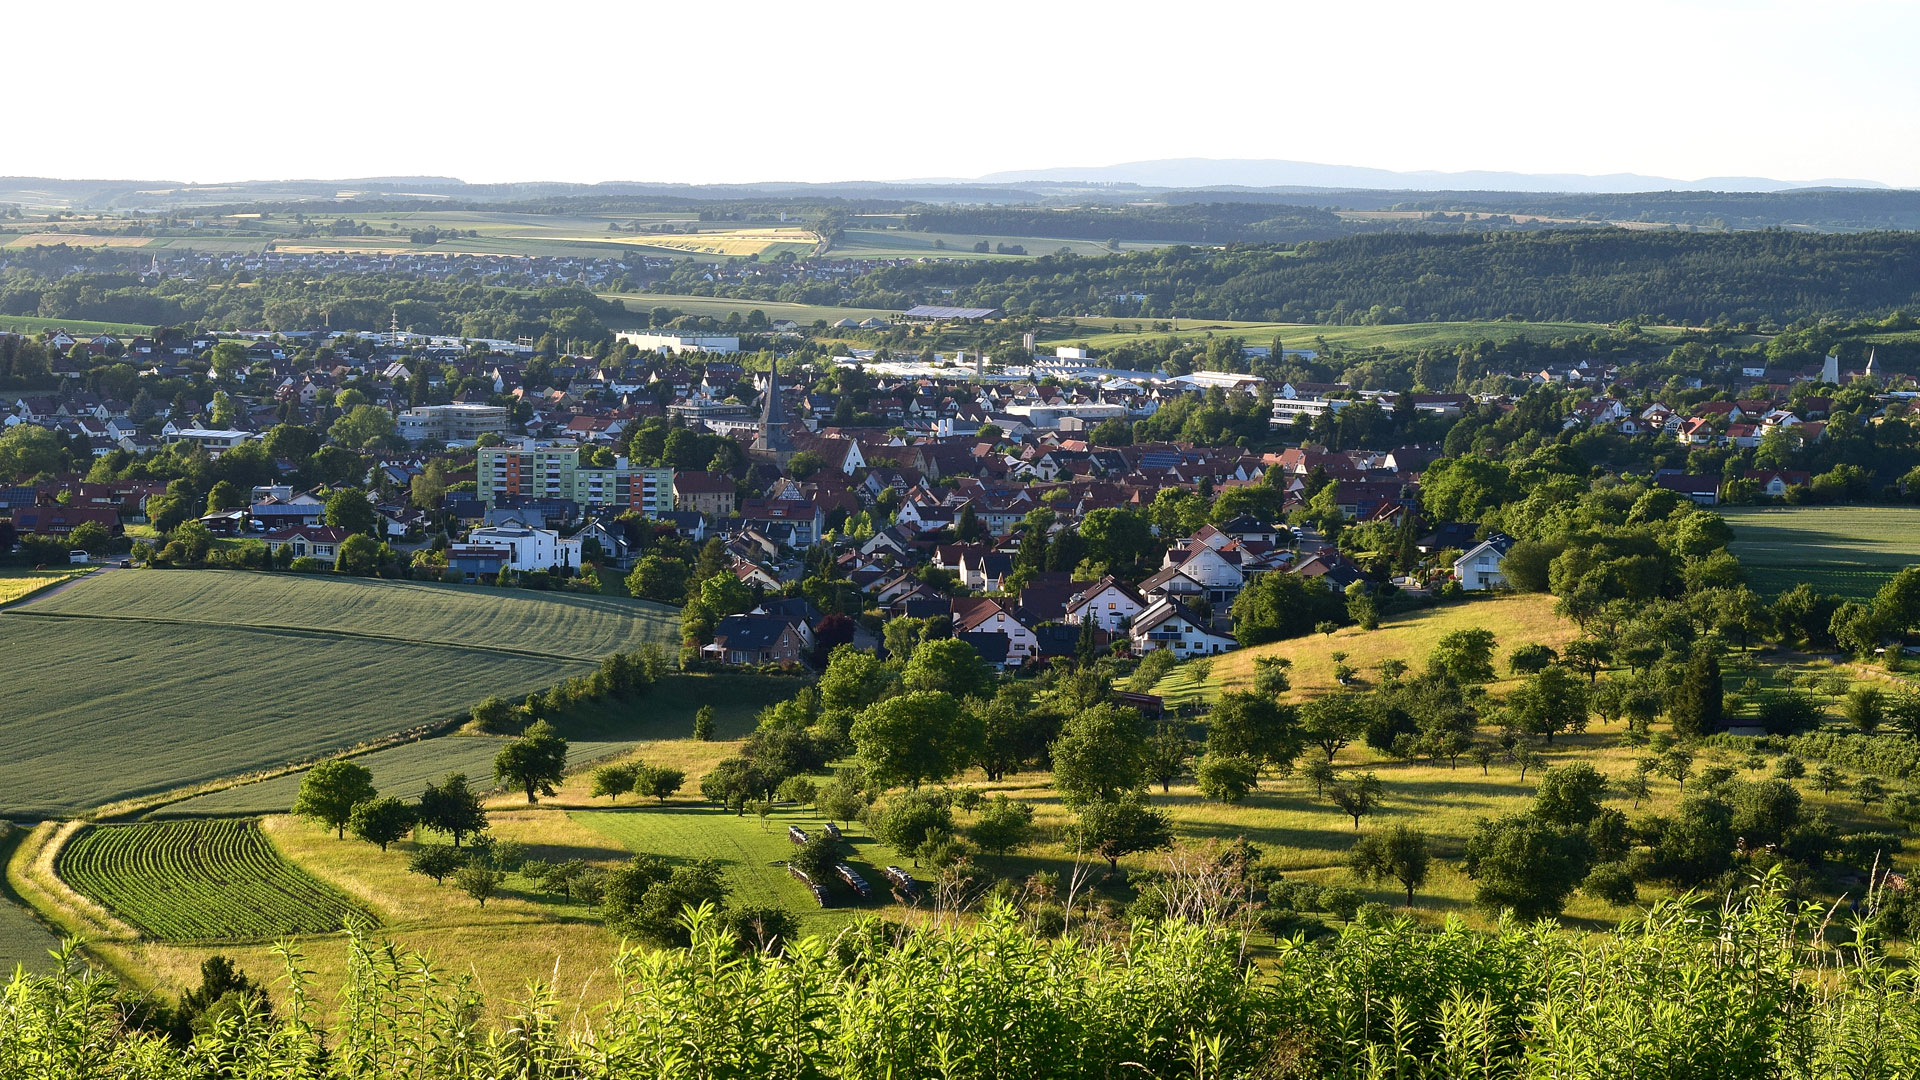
{"x": 922, "y": 509}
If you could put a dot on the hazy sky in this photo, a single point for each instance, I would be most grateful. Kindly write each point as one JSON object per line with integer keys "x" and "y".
{"x": 727, "y": 90}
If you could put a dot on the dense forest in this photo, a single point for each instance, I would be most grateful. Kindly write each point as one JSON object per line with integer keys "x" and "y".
{"x": 1839, "y": 209}
{"x": 1584, "y": 275}
{"x": 338, "y": 302}
{"x": 1197, "y": 223}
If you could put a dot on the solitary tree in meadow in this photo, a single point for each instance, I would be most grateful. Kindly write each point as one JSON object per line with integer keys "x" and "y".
{"x": 331, "y": 790}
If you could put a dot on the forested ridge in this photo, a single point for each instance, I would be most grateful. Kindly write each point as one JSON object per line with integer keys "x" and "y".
{"x": 1598, "y": 275}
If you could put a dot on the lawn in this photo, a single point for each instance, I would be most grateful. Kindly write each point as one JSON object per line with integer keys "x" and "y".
{"x": 33, "y": 324}
{"x": 1515, "y": 619}
{"x": 752, "y": 854}
{"x": 1847, "y": 550}
{"x": 558, "y": 625}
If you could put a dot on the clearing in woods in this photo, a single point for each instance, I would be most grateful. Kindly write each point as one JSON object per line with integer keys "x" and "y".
{"x": 201, "y": 880}
{"x": 1847, "y": 550}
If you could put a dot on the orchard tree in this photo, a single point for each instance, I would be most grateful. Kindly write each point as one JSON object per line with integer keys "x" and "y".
{"x": 535, "y": 762}
{"x": 950, "y": 666}
{"x": 1003, "y": 825}
{"x": 1111, "y": 828}
{"x": 914, "y": 738}
{"x": 453, "y": 808}
{"x": 1550, "y": 701}
{"x": 1401, "y": 853}
{"x": 330, "y": 791}
{"x": 658, "y": 781}
{"x": 1100, "y": 755}
{"x": 613, "y": 780}
{"x": 1464, "y": 656}
{"x": 1357, "y": 796}
{"x": 382, "y": 820}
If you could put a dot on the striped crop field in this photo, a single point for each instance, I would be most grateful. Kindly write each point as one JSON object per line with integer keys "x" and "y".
{"x": 200, "y": 881}
{"x": 570, "y": 625}
{"x": 1849, "y": 551}
{"x": 134, "y": 683}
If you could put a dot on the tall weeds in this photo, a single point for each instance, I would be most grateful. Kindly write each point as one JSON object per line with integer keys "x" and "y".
{"x": 1750, "y": 988}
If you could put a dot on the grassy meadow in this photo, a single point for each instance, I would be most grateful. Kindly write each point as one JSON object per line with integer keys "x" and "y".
{"x": 1847, "y": 550}
{"x": 1515, "y": 619}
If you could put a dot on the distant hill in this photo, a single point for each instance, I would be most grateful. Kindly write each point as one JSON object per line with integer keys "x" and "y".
{"x": 1273, "y": 173}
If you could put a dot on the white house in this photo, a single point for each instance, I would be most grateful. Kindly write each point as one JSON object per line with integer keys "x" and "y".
{"x": 1481, "y": 566}
{"x": 528, "y": 548}
{"x": 1107, "y": 603}
{"x": 1169, "y": 624}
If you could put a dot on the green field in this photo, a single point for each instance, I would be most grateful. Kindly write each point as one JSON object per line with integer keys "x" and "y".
{"x": 1846, "y": 550}
{"x": 132, "y": 683}
{"x": 23, "y": 940}
{"x": 201, "y": 881}
{"x": 572, "y": 625}
{"x": 1107, "y": 333}
{"x": 751, "y": 855}
{"x": 29, "y": 324}
{"x": 402, "y": 771}
{"x": 903, "y": 243}
{"x": 719, "y": 307}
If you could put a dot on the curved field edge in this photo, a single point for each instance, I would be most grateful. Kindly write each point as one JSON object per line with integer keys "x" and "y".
{"x": 25, "y": 939}
{"x": 201, "y": 881}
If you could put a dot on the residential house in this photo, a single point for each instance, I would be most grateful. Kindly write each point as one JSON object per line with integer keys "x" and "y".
{"x": 318, "y": 542}
{"x": 1168, "y": 623}
{"x": 1480, "y": 567}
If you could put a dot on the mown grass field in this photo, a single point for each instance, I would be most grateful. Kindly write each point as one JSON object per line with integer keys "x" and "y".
{"x": 1515, "y": 619}
{"x": 1847, "y": 550}
{"x": 201, "y": 880}
{"x": 751, "y": 853}
{"x": 571, "y": 625}
{"x": 135, "y": 683}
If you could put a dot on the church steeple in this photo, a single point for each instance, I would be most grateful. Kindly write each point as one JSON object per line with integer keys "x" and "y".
{"x": 773, "y": 442}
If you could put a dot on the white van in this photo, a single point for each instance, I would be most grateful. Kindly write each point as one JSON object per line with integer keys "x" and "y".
{"x": 78, "y": 555}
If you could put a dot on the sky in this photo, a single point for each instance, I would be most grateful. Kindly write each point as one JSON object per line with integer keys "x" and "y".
{"x": 740, "y": 90}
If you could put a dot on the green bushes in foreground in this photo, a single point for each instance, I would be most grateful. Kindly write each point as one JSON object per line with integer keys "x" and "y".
{"x": 1689, "y": 990}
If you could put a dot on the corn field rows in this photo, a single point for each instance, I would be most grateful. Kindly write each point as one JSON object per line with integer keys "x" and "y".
{"x": 200, "y": 880}
{"x": 1692, "y": 991}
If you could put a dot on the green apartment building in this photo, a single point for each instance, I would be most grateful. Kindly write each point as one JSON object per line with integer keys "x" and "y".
{"x": 556, "y": 473}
